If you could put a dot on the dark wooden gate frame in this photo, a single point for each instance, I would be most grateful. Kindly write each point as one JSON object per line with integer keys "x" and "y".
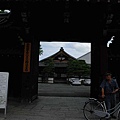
{"x": 54, "y": 20}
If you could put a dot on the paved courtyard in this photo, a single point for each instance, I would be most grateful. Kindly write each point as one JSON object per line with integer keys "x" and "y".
{"x": 55, "y": 104}
{"x": 46, "y": 108}
{"x": 64, "y": 90}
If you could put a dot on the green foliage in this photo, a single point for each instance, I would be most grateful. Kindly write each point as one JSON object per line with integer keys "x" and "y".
{"x": 49, "y": 68}
{"x": 77, "y": 68}
{"x": 40, "y": 50}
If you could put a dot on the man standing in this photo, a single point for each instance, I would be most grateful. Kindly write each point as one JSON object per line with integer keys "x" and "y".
{"x": 109, "y": 87}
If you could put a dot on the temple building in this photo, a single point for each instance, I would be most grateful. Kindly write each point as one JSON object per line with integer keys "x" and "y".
{"x": 60, "y": 63}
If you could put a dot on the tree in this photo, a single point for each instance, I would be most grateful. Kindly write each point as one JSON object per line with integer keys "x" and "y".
{"x": 77, "y": 68}
{"x": 48, "y": 70}
{"x": 40, "y": 50}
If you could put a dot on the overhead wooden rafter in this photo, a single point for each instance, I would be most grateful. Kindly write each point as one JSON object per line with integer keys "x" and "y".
{"x": 63, "y": 19}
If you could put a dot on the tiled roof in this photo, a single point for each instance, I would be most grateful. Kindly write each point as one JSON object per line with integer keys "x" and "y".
{"x": 62, "y": 52}
{"x": 84, "y": 55}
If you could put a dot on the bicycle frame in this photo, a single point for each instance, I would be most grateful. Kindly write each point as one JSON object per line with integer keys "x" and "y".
{"x": 114, "y": 109}
{"x": 106, "y": 113}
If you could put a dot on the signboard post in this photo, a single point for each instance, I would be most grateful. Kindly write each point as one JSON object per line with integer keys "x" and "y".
{"x": 4, "y": 76}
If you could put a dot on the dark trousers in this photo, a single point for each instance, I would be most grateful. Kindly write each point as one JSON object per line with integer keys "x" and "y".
{"x": 110, "y": 101}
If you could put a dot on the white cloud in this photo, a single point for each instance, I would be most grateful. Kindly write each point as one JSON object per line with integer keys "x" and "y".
{"x": 75, "y": 49}
{"x": 53, "y": 44}
{"x": 82, "y": 47}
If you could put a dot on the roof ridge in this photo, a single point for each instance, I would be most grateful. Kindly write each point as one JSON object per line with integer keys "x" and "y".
{"x": 84, "y": 54}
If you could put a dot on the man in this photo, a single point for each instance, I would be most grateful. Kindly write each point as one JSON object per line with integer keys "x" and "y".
{"x": 109, "y": 87}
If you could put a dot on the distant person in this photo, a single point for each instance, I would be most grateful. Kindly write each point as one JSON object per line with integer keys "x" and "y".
{"x": 109, "y": 87}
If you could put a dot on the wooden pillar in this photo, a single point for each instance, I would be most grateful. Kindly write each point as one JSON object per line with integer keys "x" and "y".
{"x": 29, "y": 90}
{"x": 99, "y": 65}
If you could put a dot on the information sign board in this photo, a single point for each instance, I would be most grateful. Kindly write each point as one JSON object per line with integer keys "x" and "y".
{"x": 4, "y": 76}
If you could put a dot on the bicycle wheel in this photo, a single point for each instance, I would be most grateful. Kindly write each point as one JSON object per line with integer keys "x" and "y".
{"x": 90, "y": 107}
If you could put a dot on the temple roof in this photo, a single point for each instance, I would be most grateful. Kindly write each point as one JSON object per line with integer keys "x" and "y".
{"x": 61, "y": 55}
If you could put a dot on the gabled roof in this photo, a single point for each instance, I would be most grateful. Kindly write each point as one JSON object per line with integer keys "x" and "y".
{"x": 60, "y": 53}
{"x": 86, "y": 57}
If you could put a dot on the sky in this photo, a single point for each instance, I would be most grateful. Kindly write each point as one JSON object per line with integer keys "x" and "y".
{"x": 75, "y": 49}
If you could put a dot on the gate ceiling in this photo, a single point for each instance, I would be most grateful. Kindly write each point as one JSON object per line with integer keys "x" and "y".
{"x": 62, "y": 20}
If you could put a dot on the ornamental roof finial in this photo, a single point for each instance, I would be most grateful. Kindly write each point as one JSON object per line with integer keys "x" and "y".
{"x": 61, "y": 49}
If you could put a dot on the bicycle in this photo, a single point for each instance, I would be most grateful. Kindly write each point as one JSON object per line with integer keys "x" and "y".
{"x": 95, "y": 109}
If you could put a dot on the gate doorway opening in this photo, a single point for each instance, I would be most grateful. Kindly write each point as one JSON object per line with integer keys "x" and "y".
{"x": 68, "y": 78}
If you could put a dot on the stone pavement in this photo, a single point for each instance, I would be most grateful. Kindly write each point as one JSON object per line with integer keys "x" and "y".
{"x": 63, "y": 90}
{"x": 46, "y": 108}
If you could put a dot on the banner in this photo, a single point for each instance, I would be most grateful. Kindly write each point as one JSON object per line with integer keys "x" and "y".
{"x": 27, "y": 55}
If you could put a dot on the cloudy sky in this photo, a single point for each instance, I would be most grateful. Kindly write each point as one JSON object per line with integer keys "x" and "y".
{"x": 75, "y": 49}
